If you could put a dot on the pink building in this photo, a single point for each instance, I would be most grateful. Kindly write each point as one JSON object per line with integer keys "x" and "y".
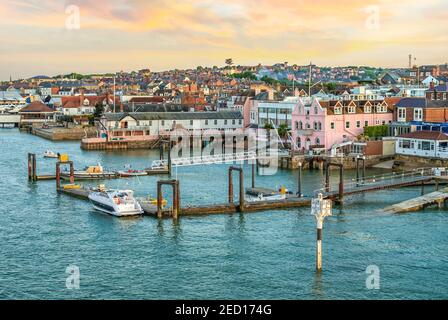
{"x": 322, "y": 124}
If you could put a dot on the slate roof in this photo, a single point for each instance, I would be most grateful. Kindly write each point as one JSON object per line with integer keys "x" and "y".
{"x": 425, "y": 135}
{"x": 421, "y": 103}
{"x": 176, "y": 115}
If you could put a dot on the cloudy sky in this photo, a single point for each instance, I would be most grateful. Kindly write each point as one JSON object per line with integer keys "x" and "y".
{"x": 44, "y": 36}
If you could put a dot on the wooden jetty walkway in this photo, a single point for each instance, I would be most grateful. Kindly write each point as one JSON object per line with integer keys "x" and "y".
{"x": 435, "y": 198}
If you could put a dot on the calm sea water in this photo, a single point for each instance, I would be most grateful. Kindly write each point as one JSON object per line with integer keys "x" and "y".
{"x": 266, "y": 255}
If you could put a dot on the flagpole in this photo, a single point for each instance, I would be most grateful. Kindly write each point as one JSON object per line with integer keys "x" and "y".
{"x": 114, "y": 91}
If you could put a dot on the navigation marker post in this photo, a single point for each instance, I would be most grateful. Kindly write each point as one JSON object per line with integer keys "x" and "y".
{"x": 320, "y": 208}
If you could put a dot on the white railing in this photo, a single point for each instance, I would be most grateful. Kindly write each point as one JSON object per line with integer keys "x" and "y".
{"x": 387, "y": 179}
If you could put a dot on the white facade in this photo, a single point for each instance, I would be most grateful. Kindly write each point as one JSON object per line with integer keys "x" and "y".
{"x": 422, "y": 147}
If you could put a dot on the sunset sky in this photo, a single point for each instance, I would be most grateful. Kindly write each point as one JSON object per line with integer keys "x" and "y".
{"x": 128, "y": 35}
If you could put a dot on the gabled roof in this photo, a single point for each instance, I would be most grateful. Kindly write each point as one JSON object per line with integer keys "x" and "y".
{"x": 37, "y": 106}
{"x": 411, "y": 103}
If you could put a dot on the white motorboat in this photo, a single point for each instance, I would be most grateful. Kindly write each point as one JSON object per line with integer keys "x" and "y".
{"x": 119, "y": 203}
{"x": 50, "y": 154}
{"x": 263, "y": 197}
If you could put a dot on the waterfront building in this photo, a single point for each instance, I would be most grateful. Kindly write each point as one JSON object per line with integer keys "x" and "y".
{"x": 427, "y": 144}
{"x": 412, "y": 114}
{"x": 323, "y": 124}
{"x": 151, "y": 125}
{"x": 36, "y": 113}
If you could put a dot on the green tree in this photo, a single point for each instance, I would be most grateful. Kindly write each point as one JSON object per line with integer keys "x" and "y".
{"x": 99, "y": 110}
{"x": 268, "y": 126}
{"x": 283, "y": 130}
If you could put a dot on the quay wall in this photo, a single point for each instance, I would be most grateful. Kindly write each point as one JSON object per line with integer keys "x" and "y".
{"x": 117, "y": 145}
{"x": 60, "y": 134}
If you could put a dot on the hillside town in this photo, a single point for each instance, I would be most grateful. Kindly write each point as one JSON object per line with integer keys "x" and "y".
{"x": 316, "y": 110}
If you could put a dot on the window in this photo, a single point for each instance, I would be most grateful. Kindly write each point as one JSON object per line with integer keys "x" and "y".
{"x": 299, "y": 142}
{"x": 307, "y": 126}
{"x": 366, "y": 123}
{"x": 358, "y": 124}
{"x": 163, "y": 122}
{"x": 150, "y": 122}
{"x": 351, "y": 109}
{"x": 296, "y": 125}
{"x": 418, "y": 114}
{"x": 315, "y": 110}
{"x": 337, "y": 110}
{"x": 300, "y": 125}
{"x": 367, "y": 109}
{"x": 317, "y": 141}
{"x": 319, "y": 126}
{"x": 401, "y": 114}
{"x": 215, "y": 122}
{"x": 233, "y": 121}
{"x": 225, "y": 122}
{"x": 332, "y": 125}
{"x": 240, "y": 121}
{"x": 206, "y": 122}
{"x": 405, "y": 144}
{"x": 444, "y": 96}
{"x": 347, "y": 125}
{"x": 383, "y": 122}
{"x": 315, "y": 125}
{"x": 191, "y": 122}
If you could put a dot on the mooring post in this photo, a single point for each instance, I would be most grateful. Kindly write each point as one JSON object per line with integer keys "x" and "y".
{"x": 159, "y": 200}
{"x": 241, "y": 190}
{"x": 357, "y": 170}
{"x": 327, "y": 177}
{"x": 437, "y": 184}
{"x": 423, "y": 187}
{"x": 29, "y": 166}
{"x": 174, "y": 186}
{"x": 169, "y": 159}
{"x": 161, "y": 151}
{"x": 253, "y": 175}
{"x": 72, "y": 172}
{"x": 58, "y": 176}
{"x": 341, "y": 182}
{"x": 230, "y": 186}
{"x": 299, "y": 187}
{"x": 34, "y": 167}
{"x": 363, "y": 169}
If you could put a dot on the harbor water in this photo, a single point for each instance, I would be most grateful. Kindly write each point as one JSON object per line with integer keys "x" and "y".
{"x": 263, "y": 255}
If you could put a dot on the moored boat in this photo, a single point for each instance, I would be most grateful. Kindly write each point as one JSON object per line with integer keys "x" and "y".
{"x": 50, "y": 154}
{"x": 118, "y": 203}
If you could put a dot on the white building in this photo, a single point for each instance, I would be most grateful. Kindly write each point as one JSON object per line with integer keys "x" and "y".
{"x": 277, "y": 112}
{"x": 427, "y": 144}
{"x": 153, "y": 123}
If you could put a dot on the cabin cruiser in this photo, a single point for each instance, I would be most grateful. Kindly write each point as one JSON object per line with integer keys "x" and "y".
{"x": 50, "y": 154}
{"x": 257, "y": 194}
{"x": 119, "y": 203}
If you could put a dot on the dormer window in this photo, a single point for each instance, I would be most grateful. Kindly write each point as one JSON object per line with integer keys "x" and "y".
{"x": 86, "y": 102}
{"x": 367, "y": 109}
{"x": 351, "y": 109}
{"x": 337, "y": 110}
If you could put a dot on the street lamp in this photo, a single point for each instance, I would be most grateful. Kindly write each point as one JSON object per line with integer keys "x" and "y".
{"x": 320, "y": 208}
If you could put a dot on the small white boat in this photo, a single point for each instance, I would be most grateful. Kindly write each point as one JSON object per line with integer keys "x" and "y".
{"x": 263, "y": 197}
{"x": 132, "y": 173}
{"x": 118, "y": 203}
{"x": 50, "y": 154}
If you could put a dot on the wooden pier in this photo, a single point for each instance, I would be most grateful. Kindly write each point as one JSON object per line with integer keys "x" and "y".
{"x": 435, "y": 198}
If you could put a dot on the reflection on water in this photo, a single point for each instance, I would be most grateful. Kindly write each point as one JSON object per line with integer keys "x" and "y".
{"x": 267, "y": 255}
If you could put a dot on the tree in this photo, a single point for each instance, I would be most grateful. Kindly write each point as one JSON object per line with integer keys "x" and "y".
{"x": 268, "y": 126}
{"x": 99, "y": 110}
{"x": 229, "y": 62}
{"x": 282, "y": 130}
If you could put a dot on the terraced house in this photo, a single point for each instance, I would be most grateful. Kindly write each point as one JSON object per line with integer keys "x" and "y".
{"x": 323, "y": 124}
